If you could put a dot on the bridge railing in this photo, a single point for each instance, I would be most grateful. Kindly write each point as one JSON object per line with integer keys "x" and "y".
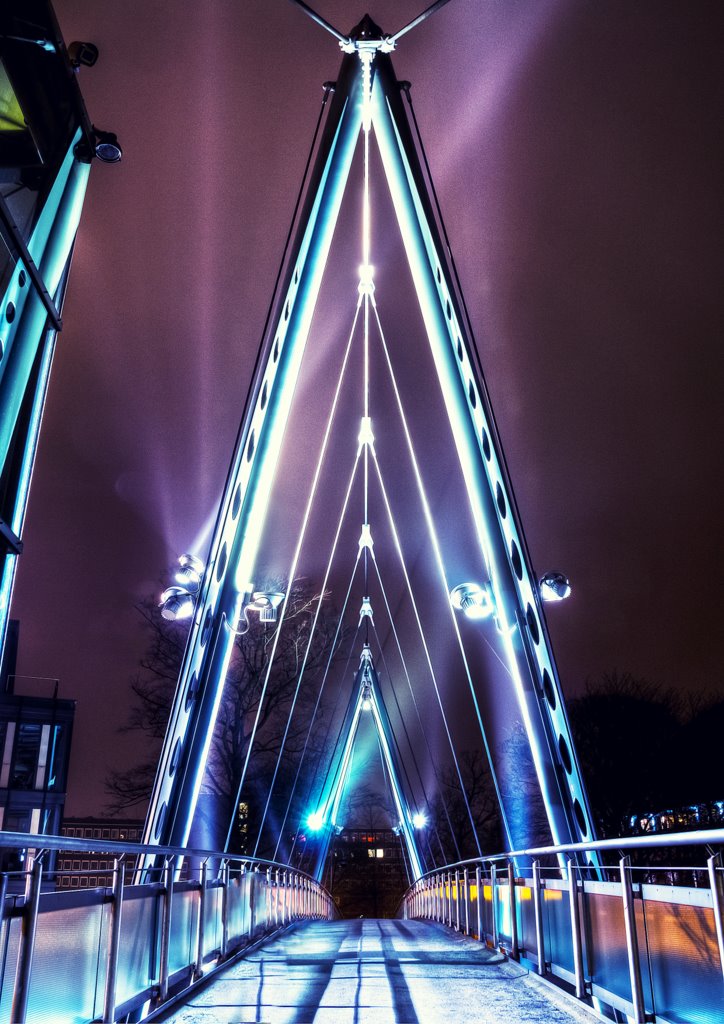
{"x": 101, "y": 953}
{"x": 633, "y": 942}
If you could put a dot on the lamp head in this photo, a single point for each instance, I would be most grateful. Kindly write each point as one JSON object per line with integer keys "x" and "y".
{"x": 554, "y": 586}
{"x": 472, "y": 600}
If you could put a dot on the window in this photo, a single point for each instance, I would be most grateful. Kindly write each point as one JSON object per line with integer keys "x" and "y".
{"x": 27, "y": 750}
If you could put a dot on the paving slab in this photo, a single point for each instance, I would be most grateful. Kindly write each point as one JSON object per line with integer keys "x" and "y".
{"x": 376, "y": 972}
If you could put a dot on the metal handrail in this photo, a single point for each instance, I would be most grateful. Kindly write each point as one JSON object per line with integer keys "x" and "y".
{"x": 704, "y": 837}
{"x": 35, "y": 841}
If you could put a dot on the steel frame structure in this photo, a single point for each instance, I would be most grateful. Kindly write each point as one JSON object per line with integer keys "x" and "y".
{"x": 502, "y": 555}
{"x": 366, "y": 696}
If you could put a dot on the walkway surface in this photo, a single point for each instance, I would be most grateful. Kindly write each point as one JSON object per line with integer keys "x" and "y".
{"x": 376, "y": 972}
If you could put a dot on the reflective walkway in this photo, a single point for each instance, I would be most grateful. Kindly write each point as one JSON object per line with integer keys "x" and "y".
{"x": 376, "y": 972}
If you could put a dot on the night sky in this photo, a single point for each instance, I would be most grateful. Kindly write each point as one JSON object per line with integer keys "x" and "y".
{"x": 577, "y": 151}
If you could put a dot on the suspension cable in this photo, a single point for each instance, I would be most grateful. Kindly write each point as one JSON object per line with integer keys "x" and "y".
{"x": 293, "y": 568}
{"x": 320, "y": 20}
{"x": 410, "y": 747}
{"x": 420, "y": 18}
{"x": 319, "y": 697}
{"x": 441, "y": 569}
{"x": 313, "y": 627}
{"x": 421, "y": 631}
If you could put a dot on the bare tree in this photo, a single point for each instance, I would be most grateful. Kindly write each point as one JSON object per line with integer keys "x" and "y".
{"x": 241, "y": 704}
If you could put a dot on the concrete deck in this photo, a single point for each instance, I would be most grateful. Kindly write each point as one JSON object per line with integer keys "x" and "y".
{"x": 376, "y": 972}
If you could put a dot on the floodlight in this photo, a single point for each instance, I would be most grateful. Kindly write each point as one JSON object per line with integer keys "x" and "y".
{"x": 189, "y": 573}
{"x": 554, "y": 586}
{"x": 473, "y": 600}
{"x": 419, "y": 820}
{"x": 176, "y": 604}
{"x": 107, "y": 147}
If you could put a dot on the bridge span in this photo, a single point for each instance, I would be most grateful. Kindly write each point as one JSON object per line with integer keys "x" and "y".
{"x": 375, "y": 971}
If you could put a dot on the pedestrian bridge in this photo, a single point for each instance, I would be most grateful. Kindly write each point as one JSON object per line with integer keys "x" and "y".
{"x": 535, "y": 935}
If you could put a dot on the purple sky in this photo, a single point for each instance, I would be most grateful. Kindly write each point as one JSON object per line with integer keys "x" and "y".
{"x": 577, "y": 152}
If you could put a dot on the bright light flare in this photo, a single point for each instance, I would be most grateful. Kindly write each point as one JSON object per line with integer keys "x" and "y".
{"x": 419, "y": 820}
{"x": 315, "y": 821}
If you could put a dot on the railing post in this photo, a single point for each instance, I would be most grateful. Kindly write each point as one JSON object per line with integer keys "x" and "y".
{"x": 114, "y": 942}
{"x": 538, "y": 913}
{"x": 225, "y": 877}
{"x": 27, "y": 943}
{"x": 494, "y": 902}
{"x": 449, "y": 899}
{"x": 714, "y": 865}
{"x": 467, "y": 902}
{"x": 514, "y": 947}
{"x": 634, "y": 964}
{"x": 166, "y": 901}
{"x": 276, "y": 897}
{"x": 285, "y": 876}
{"x": 201, "y": 923}
{"x": 479, "y": 889}
{"x": 457, "y": 900}
{"x": 576, "y": 929}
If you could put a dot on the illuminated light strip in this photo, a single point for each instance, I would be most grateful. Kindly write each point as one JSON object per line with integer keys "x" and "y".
{"x": 319, "y": 697}
{"x": 398, "y": 546}
{"x": 291, "y": 577}
{"x": 434, "y": 540}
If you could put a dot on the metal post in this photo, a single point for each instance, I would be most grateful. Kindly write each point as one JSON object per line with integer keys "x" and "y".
{"x": 27, "y": 943}
{"x": 494, "y": 901}
{"x": 467, "y": 901}
{"x": 514, "y": 947}
{"x": 201, "y": 922}
{"x": 457, "y": 900}
{"x": 114, "y": 943}
{"x": 166, "y": 900}
{"x": 225, "y": 877}
{"x": 538, "y": 912}
{"x": 714, "y": 865}
{"x": 632, "y": 948}
{"x": 576, "y": 929}
{"x": 449, "y": 899}
{"x": 479, "y": 901}
{"x": 285, "y": 875}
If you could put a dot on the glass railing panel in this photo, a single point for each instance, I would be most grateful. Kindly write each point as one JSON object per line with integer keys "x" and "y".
{"x": 69, "y": 961}
{"x": 686, "y": 974}
{"x": 184, "y": 921}
{"x": 212, "y": 919}
{"x": 526, "y": 918}
{"x": 557, "y": 928}
{"x": 9, "y": 939}
{"x": 605, "y": 932}
{"x": 137, "y": 960}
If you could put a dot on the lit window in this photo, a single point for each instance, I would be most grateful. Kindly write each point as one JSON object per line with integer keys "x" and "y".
{"x": 380, "y": 852}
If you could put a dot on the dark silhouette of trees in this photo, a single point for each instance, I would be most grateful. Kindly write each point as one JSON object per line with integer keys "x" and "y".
{"x": 154, "y": 687}
{"x": 644, "y": 748}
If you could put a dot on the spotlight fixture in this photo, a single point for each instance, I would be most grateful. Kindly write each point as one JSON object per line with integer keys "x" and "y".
{"x": 366, "y": 699}
{"x": 176, "y": 604}
{"x": 554, "y": 586}
{"x": 82, "y": 53}
{"x": 473, "y": 600}
{"x": 107, "y": 148}
{"x": 189, "y": 573}
{"x": 419, "y": 820}
{"x": 104, "y": 145}
{"x": 264, "y": 604}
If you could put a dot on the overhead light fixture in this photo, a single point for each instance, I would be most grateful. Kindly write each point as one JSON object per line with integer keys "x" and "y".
{"x": 367, "y": 699}
{"x": 554, "y": 586}
{"x": 176, "y": 604}
{"x": 419, "y": 820}
{"x": 472, "y": 600}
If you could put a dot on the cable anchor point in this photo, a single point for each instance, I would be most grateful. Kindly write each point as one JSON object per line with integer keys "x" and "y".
{"x": 365, "y": 539}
